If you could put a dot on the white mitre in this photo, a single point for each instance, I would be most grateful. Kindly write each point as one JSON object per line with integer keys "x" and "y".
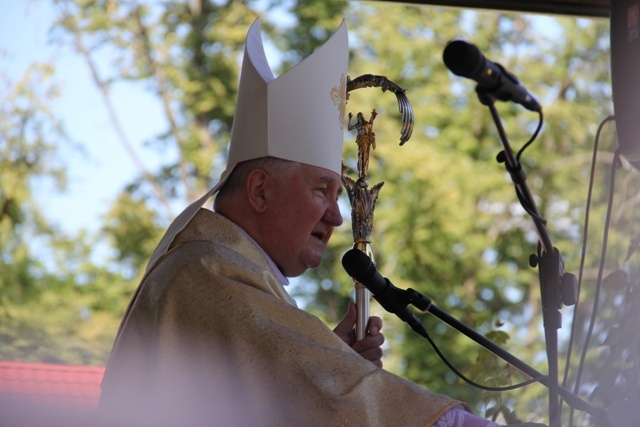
{"x": 298, "y": 116}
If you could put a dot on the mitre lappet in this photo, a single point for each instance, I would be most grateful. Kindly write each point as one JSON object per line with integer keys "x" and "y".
{"x": 298, "y": 116}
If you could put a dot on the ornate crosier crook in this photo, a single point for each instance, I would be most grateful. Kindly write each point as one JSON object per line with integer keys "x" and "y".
{"x": 362, "y": 199}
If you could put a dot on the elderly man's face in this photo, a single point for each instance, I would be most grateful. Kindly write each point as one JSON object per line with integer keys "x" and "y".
{"x": 302, "y": 213}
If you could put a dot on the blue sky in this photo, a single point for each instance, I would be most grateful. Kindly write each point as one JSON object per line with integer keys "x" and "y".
{"x": 96, "y": 176}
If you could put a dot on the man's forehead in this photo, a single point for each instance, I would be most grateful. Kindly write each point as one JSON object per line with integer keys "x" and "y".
{"x": 321, "y": 174}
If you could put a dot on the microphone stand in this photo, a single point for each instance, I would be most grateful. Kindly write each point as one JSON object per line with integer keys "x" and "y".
{"x": 556, "y": 287}
{"x": 423, "y": 303}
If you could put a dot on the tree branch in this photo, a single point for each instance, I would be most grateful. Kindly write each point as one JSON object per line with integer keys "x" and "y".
{"x": 115, "y": 121}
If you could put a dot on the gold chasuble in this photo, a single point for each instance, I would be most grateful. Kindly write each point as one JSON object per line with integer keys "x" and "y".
{"x": 212, "y": 338}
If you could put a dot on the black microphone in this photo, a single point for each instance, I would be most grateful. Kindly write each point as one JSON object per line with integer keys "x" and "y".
{"x": 466, "y": 60}
{"x": 359, "y": 266}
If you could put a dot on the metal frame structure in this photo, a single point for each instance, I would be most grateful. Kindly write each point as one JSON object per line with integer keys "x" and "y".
{"x": 584, "y": 8}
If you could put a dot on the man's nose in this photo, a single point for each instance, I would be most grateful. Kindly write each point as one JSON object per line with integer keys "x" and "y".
{"x": 333, "y": 215}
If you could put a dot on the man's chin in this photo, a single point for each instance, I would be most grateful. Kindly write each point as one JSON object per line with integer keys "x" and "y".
{"x": 299, "y": 270}
{"x": 313, "y": 261}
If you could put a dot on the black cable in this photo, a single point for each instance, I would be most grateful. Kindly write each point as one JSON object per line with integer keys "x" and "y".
{"x": 471, "y": 382}
{"x": 533, "y": 137}
{"x": 527, "y": 205}
{"x": 596, "y": 298}
{"x": 584, "y": 250}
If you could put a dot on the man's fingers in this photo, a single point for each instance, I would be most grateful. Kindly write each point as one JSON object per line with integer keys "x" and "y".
{"x": 347, "y": 322}
{"x": 375, "y": 325}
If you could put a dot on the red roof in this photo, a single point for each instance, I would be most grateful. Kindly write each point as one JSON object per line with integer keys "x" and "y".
{"x": 60, "y": 385}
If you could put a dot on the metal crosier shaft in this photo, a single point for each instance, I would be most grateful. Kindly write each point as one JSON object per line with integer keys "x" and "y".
{"x": 362, "y": 201}
{"x": 361, "y": 198}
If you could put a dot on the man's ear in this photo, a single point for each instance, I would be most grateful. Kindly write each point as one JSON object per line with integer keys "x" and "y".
{"x": 255, "y": 190}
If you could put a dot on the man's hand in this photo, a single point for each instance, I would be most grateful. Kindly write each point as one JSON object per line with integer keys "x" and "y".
{"x": 370, "y": 346}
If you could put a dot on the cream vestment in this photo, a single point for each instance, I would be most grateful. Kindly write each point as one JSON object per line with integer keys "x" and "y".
{"x": 211, "y": 337}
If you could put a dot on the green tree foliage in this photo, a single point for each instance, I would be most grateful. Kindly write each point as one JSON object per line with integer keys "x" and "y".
{"x": 28, "y": 156}
{"x": 48, "y": 291}
{"x": 447, "y": 223}
{"x": 605, "y": 358}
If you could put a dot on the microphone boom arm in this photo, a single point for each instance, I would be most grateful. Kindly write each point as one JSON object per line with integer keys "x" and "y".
{"x": 573, "y": 400}
{"x": 556, "y": 286}
{"x": 396, "y": 301}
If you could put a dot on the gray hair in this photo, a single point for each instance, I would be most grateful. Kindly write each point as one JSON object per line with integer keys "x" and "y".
{"x": 278, "y": 168}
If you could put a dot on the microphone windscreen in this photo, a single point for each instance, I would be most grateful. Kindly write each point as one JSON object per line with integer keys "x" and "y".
{"x": 463, "y": 59}
{"x": 358, "y": 265}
